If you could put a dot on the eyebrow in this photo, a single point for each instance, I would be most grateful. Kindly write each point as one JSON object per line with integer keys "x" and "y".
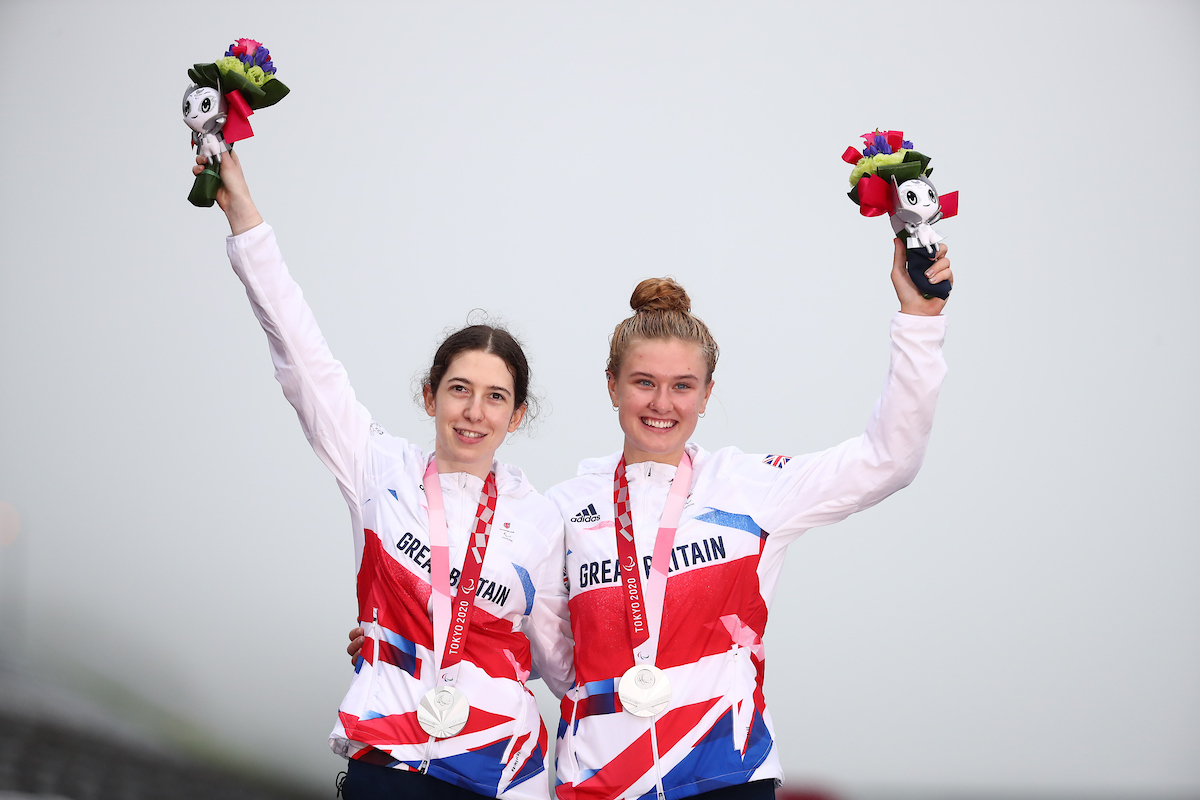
{"x": 676, "y": 378}
{"x": 504, "y": 389}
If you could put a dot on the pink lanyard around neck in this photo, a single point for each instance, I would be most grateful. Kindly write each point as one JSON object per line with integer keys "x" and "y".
{"x": 450, "y": 635}
{"x": 644, "y": 613}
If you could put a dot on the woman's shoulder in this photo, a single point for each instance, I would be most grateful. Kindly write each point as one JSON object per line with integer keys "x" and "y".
{"x": 731, "y": 463}
{"x": 389, "y": 454}
{"x": 590, "y": 471}
{"x": 531, "y": 505}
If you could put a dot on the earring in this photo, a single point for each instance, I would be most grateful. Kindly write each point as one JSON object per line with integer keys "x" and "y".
{"x": 616, "y": 408}
{"x": 702, "y": 414}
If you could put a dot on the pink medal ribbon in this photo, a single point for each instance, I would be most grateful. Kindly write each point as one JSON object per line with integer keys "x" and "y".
{"x": 443, "y": 710}
{"x": 644, "y": 689}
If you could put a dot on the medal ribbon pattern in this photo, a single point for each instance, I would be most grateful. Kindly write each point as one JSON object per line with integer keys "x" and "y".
{"x": 644, "y": 611}
{"x": 452, "y": 617}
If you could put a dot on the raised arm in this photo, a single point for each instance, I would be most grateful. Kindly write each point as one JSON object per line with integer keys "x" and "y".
{"x": 335, "y": 423}
{"x": 826, "y": 487}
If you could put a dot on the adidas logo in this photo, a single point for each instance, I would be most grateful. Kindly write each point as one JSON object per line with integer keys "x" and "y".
{"x": 587, "y": 515}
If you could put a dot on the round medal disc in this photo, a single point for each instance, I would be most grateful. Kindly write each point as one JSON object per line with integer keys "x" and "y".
{"x": 644, "y": 690}
{"x": 443, "y": 712}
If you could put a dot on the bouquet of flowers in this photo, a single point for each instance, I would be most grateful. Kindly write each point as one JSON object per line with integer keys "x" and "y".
{"x": 217, "y": 105}
{"x": 890, "y": 177}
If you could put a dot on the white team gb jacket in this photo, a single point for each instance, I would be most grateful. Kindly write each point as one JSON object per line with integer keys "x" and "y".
{"x": 519, "y": 618}
{"x": 742, "y": 513}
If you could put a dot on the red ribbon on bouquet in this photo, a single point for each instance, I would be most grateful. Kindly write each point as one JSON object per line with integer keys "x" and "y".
{"x": 237, "y": 123}
{"x": 949, "y": 204}
{"x": 875, "y": 196}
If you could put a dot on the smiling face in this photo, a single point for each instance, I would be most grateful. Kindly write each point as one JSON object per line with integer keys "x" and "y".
{"x": 660, "y": 394}
{"x": 918, "y": 197}
{"x": 200, "y": 106}
{"x": 473, "y": 412}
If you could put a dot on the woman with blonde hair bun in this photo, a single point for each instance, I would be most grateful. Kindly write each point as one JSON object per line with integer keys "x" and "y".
{"x": 674, "y": 553}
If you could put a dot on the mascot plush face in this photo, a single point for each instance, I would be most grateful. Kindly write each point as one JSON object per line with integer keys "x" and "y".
{"x": 202, "y": 105}
{"x": 918, "y": 198}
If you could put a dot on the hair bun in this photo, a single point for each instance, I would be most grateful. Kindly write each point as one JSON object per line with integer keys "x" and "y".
{"x": 660, "y": 294}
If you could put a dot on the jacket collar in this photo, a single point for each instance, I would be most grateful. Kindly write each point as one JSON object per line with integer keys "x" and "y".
{"x": 510, "y": 480}
{"x": 605, "y": 465}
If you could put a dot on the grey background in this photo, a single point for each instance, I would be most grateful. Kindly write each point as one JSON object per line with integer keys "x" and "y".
{"x": 1025, "y": 618}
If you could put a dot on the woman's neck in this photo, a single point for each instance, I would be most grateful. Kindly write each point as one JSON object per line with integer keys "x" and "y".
{"x": 635, "y": 456}
{"x": 445, "y": 464}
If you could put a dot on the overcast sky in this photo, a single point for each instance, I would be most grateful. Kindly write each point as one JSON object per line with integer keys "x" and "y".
{"x": 1025, "y": 617}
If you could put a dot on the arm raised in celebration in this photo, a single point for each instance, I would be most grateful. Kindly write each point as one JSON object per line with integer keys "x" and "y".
{"x": 314, "y": 382}
{"x": 823, "y": 488}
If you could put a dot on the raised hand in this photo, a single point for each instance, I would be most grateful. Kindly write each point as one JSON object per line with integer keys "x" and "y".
{"x": 234, "y": 195}
{"x": 911, "y": 300}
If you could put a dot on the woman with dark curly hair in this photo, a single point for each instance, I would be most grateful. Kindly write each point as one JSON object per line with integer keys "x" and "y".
{"x": 458, "y": 559}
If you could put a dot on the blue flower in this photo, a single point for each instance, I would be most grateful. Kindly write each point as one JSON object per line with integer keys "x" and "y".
{"x": 871, "y": 151}
{"x": 906, "y": 144}
{"x": 261, "y": 56}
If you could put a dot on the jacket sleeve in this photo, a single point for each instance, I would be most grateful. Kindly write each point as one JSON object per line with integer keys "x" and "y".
{"x": 826, "y": 487}
{"x": 548, "y": 625}
{"x": 335, "y": 423}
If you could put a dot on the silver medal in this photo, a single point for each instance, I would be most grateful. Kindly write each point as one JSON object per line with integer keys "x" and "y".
{"x": 644, "y": 690}
{"x": 443, "y": 712}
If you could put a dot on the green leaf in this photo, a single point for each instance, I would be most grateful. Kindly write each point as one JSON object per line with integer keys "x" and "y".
{"x": 204, "y": 188}
{"x": 902, "y": 172}
{"x": 913, "y": 155}
{"x": 233, "y": 80}
{"x": 205, "y": 75}
{"x": 273, "y": 92}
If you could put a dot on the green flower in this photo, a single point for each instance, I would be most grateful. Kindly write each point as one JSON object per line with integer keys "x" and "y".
{"x": 257, "y": 75}
{"x": 231, "y": 64}
{"x": 869, "y": 165}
